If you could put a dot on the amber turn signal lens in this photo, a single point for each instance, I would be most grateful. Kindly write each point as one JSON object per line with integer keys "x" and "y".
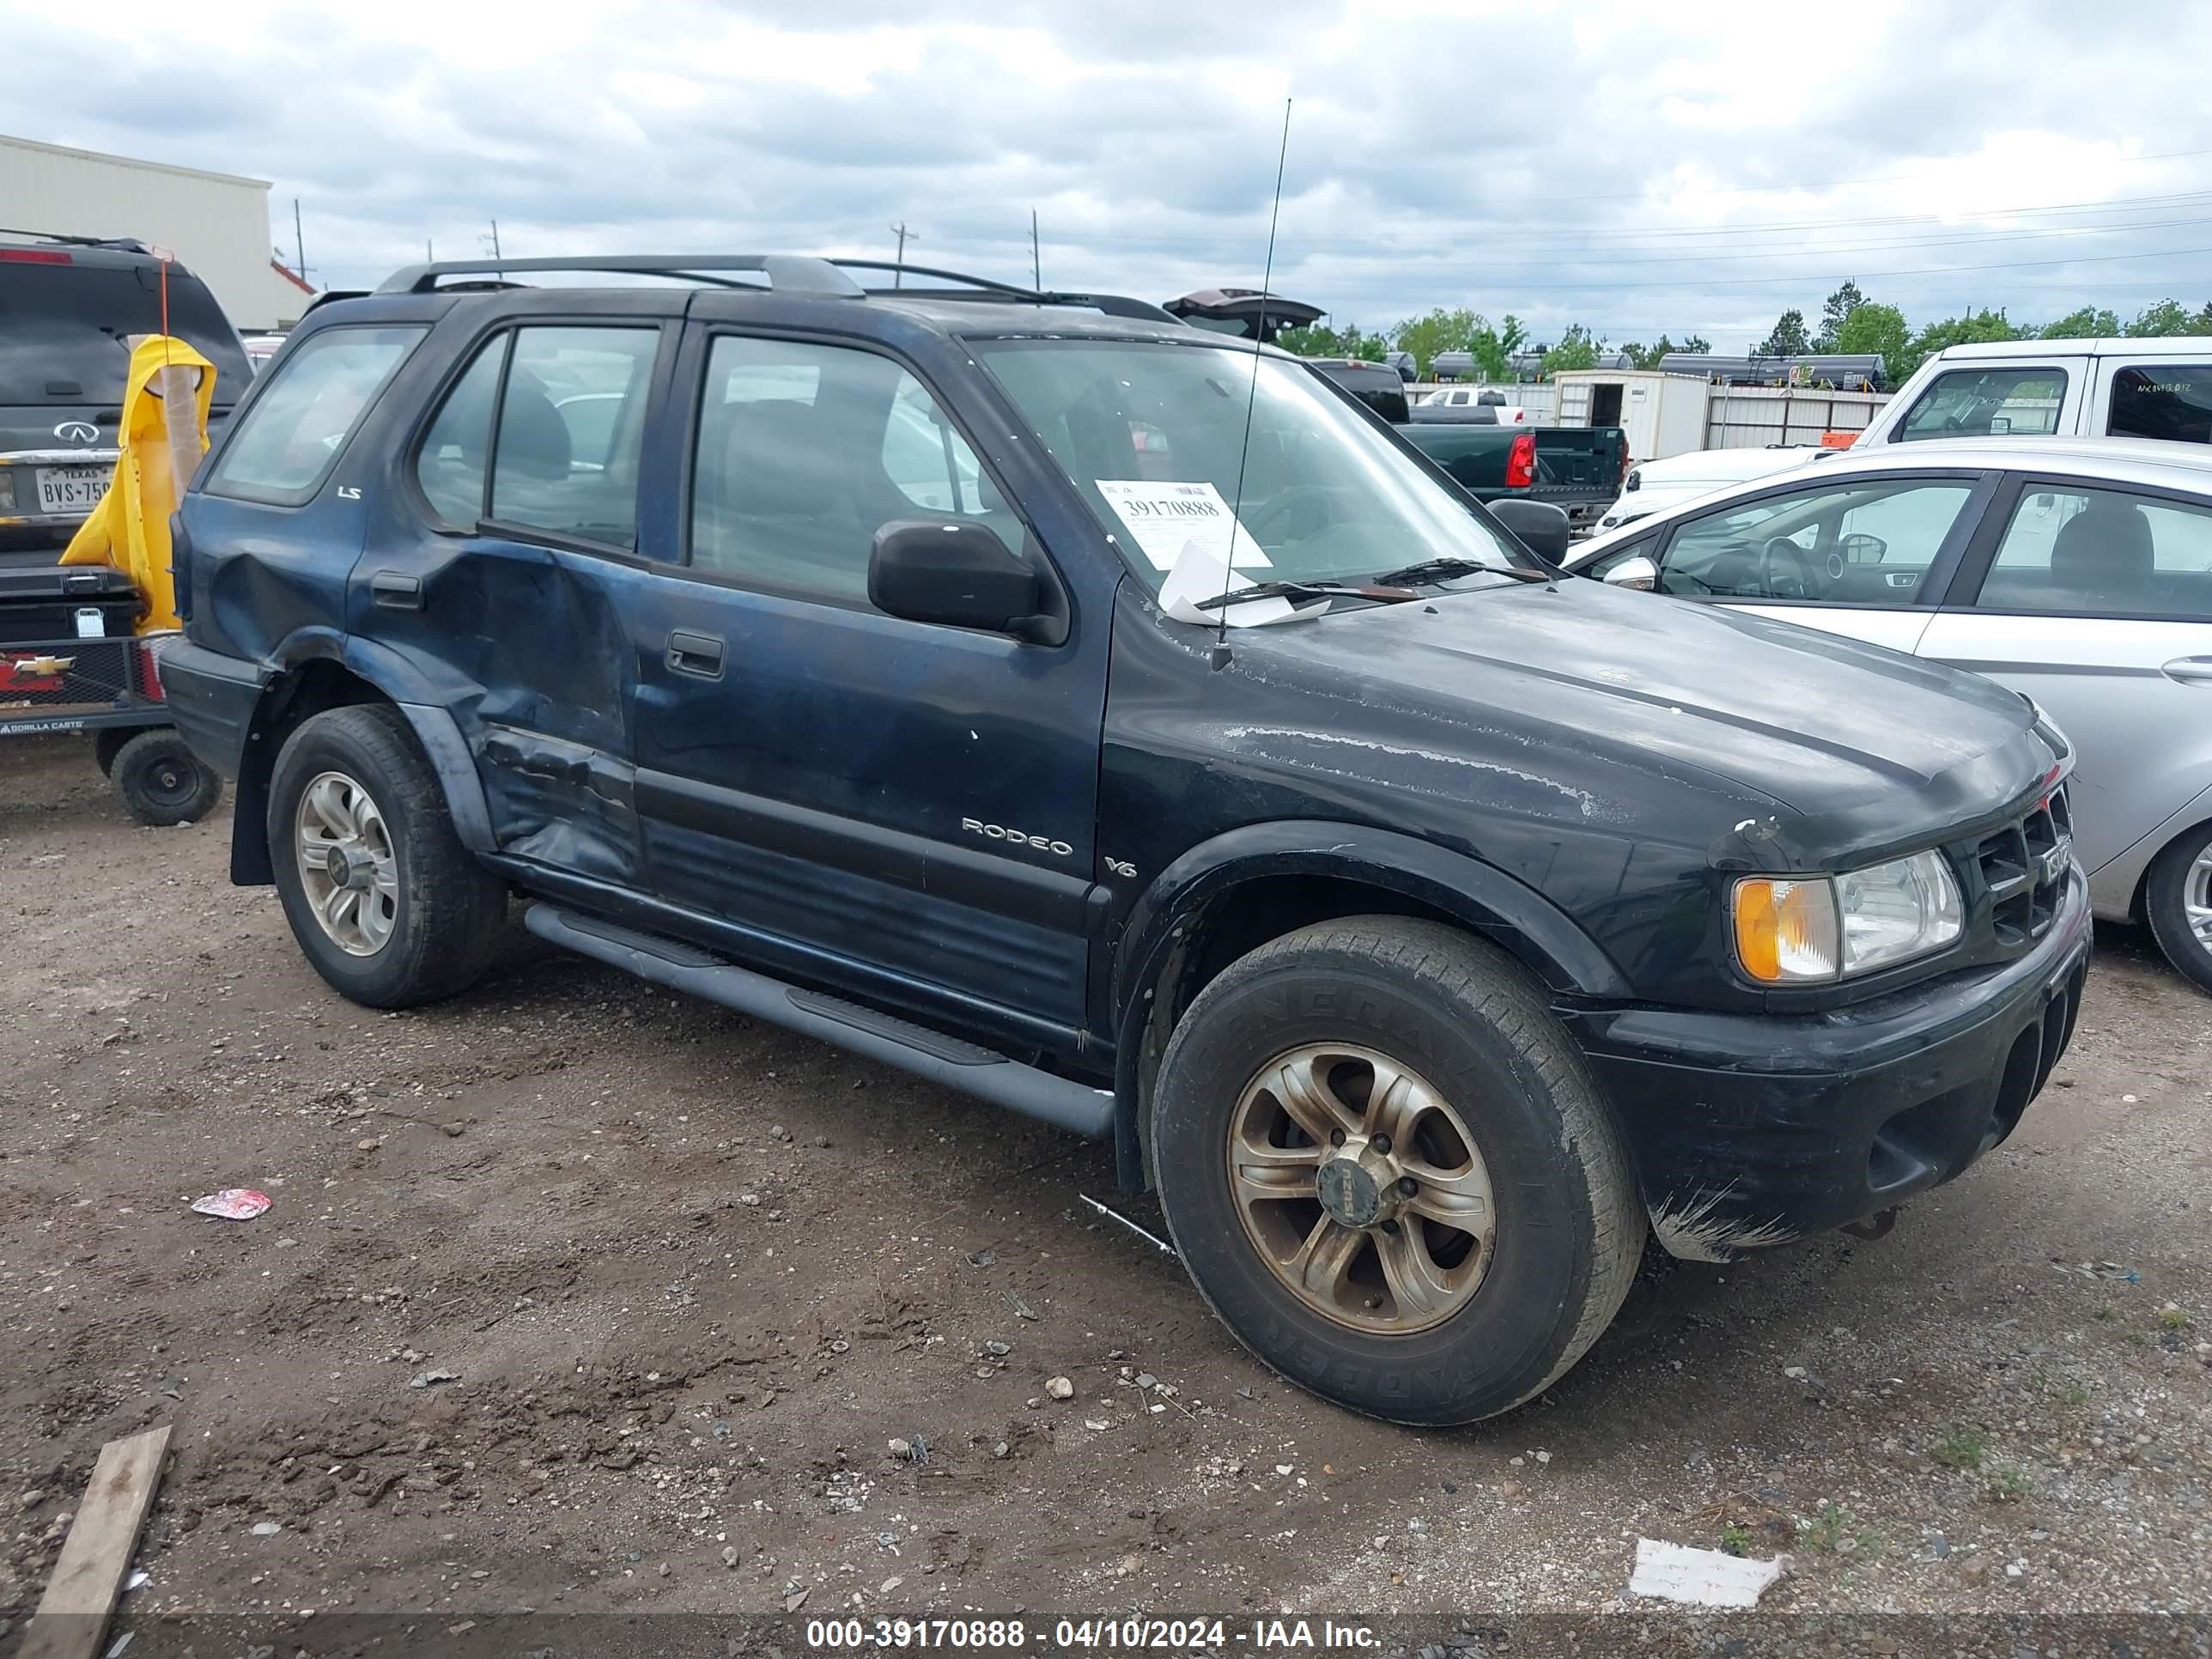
{"x": 1786, "y": 932}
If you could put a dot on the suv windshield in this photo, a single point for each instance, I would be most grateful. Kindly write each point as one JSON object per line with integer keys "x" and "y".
{"x": 63, "y": 328}
{"x": 1325, "y": 496}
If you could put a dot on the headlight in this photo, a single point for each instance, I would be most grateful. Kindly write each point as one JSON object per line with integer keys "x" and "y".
{"x": 1805, "y": 929}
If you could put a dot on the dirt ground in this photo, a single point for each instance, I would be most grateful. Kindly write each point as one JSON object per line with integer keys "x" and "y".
{"x": 575, "y": 1295}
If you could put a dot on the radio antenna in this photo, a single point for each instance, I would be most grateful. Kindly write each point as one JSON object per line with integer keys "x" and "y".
{"x": 1221, "y": 657}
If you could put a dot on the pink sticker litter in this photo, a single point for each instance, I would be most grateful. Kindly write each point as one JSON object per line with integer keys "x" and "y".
{"x": 233, "y": 1203}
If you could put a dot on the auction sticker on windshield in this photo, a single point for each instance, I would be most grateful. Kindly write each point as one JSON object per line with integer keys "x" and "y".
{"x": 1165, "y": 518}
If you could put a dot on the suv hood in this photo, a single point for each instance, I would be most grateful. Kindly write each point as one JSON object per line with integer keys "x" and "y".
{"x": 1589, "y": 689}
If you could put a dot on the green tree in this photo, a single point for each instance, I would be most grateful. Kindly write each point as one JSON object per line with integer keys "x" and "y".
{"x": 1493, "y": 347}
{"x": 2170, "y": 317}
{"x": 1578, "y": 349}
{"x": 1321, "y": 340}
{"x": 1788, "y": 338}
{"x": 1838, "y": 312}
{"x": 2087, "y": 323}
{"x": 1966, "y": 330}
{"x": 1874, "y": 326}
{"x": 1650, "y": 357}
{"x": 1440, "y": 331}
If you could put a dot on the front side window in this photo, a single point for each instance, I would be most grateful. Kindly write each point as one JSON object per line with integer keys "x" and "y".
{"x": 2103, "y": 552}
{"x": 1987, "y": 402}
{"x": 291, "y": 437}
{"x": 1325, "y": 496}
{"x": 806, "y": 451}
{"x": 1868, "y": 543}
{"x": 571, "y": 423}
{"x": 2156, "y": 401}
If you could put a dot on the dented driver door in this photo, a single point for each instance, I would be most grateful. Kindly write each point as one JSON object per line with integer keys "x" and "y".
{"x": 904, "y": 809}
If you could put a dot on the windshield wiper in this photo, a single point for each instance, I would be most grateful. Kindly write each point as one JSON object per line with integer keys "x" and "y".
{"x": 1439, "y": 570}
{"x": 1384, "y": 593}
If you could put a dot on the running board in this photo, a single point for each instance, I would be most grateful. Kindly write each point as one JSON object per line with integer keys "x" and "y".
{"x": 926, "y": 1054}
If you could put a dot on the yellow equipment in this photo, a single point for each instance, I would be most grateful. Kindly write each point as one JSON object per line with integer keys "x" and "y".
{"x": 162, "y": 435}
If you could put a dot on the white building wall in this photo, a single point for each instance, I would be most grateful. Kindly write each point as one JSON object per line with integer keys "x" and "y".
{"x": 216, "y": 224}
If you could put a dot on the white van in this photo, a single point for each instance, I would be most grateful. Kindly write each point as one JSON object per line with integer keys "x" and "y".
{"x": 2117, "y": 388}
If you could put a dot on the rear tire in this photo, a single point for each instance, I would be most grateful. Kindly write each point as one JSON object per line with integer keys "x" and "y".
{"x": 162, "y": 781}
{"x": 1466, "y": 1294}
{"x": 2178, "y": 904}
{"x": 386, "y": 901}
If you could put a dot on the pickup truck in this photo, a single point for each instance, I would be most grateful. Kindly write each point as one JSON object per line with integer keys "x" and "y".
{"x": 1577, "y": 469}
{"x": 1427, "y": 929}
{"x": 2158, "y": 388}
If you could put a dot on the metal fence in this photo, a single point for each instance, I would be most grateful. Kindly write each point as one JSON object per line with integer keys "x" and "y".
{"x": 1751, "y": 416}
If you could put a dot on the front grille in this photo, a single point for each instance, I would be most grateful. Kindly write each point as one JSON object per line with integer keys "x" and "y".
{"x": 2023, "y": 870}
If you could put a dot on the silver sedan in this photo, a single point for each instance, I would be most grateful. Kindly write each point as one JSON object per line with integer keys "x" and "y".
{"x": 2078, "y": 571}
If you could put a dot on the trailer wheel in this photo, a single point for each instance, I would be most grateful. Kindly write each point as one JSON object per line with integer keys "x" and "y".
{"x": 108, "y": 743}
{"x": 162, "y": 781}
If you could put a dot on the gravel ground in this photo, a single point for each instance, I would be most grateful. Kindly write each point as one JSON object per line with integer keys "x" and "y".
{"x": 577, "y": 1296}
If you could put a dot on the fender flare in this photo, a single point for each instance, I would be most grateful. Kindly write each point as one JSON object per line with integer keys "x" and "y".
{"x": 1496, "y": 905}
{"x": 402, "y": 684}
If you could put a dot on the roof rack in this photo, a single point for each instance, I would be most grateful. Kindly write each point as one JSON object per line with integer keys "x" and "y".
{"x": 985, "y": 287}
{"x": 786, "y": 273}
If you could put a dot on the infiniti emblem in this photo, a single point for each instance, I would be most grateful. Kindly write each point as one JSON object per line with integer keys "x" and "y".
{"x": 77, "y": 432}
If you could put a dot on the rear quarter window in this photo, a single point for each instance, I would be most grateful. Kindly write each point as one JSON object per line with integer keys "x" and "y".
{"x": 292, "y": 435}
{"x": 2172, "y": 402}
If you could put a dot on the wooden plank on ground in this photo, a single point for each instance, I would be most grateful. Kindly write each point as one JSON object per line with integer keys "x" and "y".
{"x": 73, "y": 1615}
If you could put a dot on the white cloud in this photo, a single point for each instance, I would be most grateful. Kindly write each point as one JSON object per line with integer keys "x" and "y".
{"x": 1600, "y": 161}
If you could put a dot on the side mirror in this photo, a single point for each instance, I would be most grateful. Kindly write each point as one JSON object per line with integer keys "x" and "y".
{"x": 960, "y": 575}
{"x": 1537, "y": 525}
{"x": 1638, "y": 572}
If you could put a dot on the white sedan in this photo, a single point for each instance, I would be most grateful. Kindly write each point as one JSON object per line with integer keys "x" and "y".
{"x": 2077, "y": 571}
{"x": 1654, "y": 486}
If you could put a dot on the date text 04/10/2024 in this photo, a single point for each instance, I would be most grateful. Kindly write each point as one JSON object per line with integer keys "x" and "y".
{"x": 1082, "y": 1635}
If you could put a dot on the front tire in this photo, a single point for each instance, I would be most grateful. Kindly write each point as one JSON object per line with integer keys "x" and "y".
{"x": 2178, "y": 904}
{"x": 1390, "y": 1172}
{"x": 386, "y": 901}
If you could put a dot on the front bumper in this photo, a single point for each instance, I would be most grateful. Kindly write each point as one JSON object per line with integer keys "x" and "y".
{"x": 1749, "y": 1131}
{"x": 212, "y": 698}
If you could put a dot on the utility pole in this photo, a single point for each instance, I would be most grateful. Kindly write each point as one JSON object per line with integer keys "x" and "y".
{"x": 900, "y": 231}
{"x": 1037, "y": 267}
{"x": 299, "y": 243}
{"x": 429, "y": 253}
{"x": 495, "y": 248}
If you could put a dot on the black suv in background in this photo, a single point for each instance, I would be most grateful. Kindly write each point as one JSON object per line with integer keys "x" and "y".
{"x": 886, "y": 665}
{"x": 68, "y": 306}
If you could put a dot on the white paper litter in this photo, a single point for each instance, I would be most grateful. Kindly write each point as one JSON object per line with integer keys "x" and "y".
{"x": 1199, "y": 574}
{"x": 1703, "y": 1578}
{"x": 1165, "y": 517}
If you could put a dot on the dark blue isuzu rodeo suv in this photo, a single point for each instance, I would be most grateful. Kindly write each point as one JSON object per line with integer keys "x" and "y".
{"x": 1116, "y": 722}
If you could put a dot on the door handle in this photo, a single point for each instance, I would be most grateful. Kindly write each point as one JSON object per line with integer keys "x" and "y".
{"x": 396, "y": 591}
{"x": 695, "y": 653}
{"x": 2190, "y": 670}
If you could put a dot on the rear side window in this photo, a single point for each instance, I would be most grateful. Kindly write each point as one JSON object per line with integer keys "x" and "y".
{"x": 1987, "y": 402}
{"x": 571, "y": 423}
{"x": 294, "y": 434}
{"x": 63, "y": 328}
{"x": 2157, "y": 401}
{"x": 2103, "y": 552}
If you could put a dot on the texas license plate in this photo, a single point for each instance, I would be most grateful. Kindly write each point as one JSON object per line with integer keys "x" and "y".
{"x": 72, "y": 489}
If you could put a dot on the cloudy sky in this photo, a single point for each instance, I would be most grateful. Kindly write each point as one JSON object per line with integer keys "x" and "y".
{"x": 1692, "y": 167}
